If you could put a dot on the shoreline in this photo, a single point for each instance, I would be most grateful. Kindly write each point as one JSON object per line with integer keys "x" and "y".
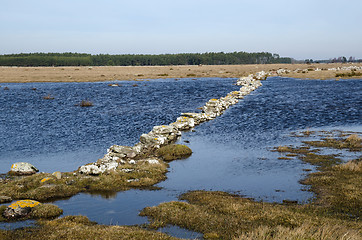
{"x": 140, "y": 73}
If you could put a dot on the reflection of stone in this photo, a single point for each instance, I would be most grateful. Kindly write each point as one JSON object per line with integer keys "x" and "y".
{"x": 23, "y": 168}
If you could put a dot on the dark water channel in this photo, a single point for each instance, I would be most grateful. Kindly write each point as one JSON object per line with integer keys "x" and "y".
{"x": 231, "y": 152}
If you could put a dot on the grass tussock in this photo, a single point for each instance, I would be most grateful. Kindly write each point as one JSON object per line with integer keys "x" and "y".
{"x": 174, "y": 151}
{"x": 48, "y": 97}
{"x": 220, "y": 215}
{"x": 339, "y": 188}
{"x": 85, "y": 103}
{"x": 79, "y": 227}
{"x": 41, "y": 211}
{"x": 142, "y": 175}
{"x": 353, "y": 143}
{"x": 349, "y": 74}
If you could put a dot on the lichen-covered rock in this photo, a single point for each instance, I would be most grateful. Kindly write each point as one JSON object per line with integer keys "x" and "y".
{"x": 23, "y": 168}
{"x": 20, "y": 209}
{"x": 183, "y": 123}
{"x": 57, "y": 175}
{"x": 123, "y": 151}
{"x": 96, "y": 168}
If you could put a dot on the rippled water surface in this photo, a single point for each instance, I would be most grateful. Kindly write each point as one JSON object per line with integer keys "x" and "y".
{"x": 231, "y": 153}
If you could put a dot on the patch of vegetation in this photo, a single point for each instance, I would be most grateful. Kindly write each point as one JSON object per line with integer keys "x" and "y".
{"x": 174, "y": 152}
{"x": 163, "y": 75}
{"x": 352, "y": 142}
{"x": 349, "y": 74}
{"x": 79, "y": 227}
{"x": 86, "y": 103}
{"x": 220, "y": 215}
{"x": 339, "y": 188}
{"x": 140, "y": 175}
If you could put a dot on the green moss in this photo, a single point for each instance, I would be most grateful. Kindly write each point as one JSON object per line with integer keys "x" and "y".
{"x": 174, "y": 151}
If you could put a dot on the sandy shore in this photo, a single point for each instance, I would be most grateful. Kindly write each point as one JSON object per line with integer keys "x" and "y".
{"x": 95, "y": 74}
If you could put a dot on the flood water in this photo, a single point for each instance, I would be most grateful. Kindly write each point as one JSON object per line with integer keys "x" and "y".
{"x": 230, "y": 153}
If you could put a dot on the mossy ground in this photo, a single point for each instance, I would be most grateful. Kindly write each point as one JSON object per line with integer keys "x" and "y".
{"x": 140, "y": 175}
{"x": 334, "y": 214}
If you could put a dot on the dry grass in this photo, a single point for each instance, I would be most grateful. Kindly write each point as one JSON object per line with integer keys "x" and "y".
{"x": 83, "y": 74}
{"x": 79, "y": 227}
{"x": 339, "y": 188}
{"x": 353, "y": 143}
{"x": 223, "y": 216}
{"x": 306, "y": 231}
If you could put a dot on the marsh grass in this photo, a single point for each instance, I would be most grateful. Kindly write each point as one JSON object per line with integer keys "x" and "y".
{"x": 220, "y": 215}
{"x": 353, "y": 143}
{"x": 145, "y": 174}
{"x": 79, "y": 227}
{"x": 349, "y": 74}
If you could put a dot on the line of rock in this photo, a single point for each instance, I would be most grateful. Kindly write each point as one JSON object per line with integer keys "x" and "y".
{"x": 167, "y": 134}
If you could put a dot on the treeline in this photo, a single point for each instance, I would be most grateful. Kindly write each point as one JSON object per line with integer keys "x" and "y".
{"x": 82, "y": 59}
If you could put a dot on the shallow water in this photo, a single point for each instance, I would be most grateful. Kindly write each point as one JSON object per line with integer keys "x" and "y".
{"x": 56, "y": 135}
{"x": 231, "y": 152}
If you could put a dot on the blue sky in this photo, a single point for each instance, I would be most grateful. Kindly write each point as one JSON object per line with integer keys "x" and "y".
{"x": 317, "y": 29}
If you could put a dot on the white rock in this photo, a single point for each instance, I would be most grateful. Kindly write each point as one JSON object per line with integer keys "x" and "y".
{"x": 23, "y": 168}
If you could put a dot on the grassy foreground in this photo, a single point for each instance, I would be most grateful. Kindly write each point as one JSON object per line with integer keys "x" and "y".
{"x": 334, "y": 214}
{"x": 79, "y": 227}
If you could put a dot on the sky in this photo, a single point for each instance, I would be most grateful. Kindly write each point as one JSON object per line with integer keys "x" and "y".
{"x": 313, "y": 29}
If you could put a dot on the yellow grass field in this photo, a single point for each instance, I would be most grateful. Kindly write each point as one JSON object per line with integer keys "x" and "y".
{"x": 95, "y": 74}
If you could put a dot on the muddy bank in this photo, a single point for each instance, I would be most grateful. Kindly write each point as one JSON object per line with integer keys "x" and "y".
{"x": 96, "y": 74}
